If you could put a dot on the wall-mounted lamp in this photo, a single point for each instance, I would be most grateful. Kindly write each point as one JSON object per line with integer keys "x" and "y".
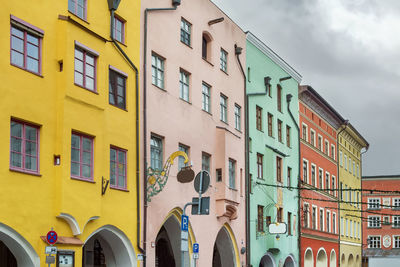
{"x": 277, "y": 237}
{"x": 238, "y": 50}
{"x": 57, "y": 160}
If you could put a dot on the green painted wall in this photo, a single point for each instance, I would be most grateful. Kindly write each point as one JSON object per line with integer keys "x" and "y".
{"x": 259, "y": 65}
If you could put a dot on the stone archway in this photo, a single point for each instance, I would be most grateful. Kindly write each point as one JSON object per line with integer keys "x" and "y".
{"x": 267, "y": 261}
{"x": 358, "y": 260}
{"x": 289, "y": 262}
{"x": 343, "y": 261}
{"x": 16, "y": 250}
{"x": 308, "y": 258}
{"x": 224, "y": 253}
{"x": 332, "y": 260}
{"x": 322, "y": 259}
{"x": 350, "y": 261}
{"x": 108, "y": 246}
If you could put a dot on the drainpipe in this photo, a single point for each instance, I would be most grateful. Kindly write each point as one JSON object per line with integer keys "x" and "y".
{"x": 175, "y": 4}
{"x": 238, "y": 51}
{"x": 346, "y": 122}
{"x": 288, "y": 100}
{"x": 362, "y": 232}
{"x": 113, "y": 5}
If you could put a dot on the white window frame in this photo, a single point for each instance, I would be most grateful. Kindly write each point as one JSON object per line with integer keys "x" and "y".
{"x": 394, "y": 237}
{"x": 326, "y": 147}
{"x": 373, "y": 204}
{"x": 342, "y": 226}
{"x": 321, "y": 211}
{"x": 334, "y": 224}
{"x": 396, "y": 221}
{"x": 312, "y": 141}
{"x": 315, "y": 174}
{"x": 305, "y": 179}
{"x": 184, "y": 85}
{"x": 374, "y": 221}
{"x": 321, "y": 174}
{"x": 328, "y": 221}
{"x": 396, "y": 203}
{"x": 306, "y": 212}
{"x": 341, "y": 158}
{"x": 345, "y": 161}
{"x": 333, "y": 151}
{"x": 347, "y": 227}
{"x": 378, "y": 238}
{"x": 316, "y": 217}
{"x": 327, "y": 174}
{"x": 322, "y": 143}
{"x": 302, "y": 132}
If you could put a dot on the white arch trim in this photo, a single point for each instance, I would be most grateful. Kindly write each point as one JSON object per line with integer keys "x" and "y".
{"x": 292, "y": 258}
{"x": 321, "y": 248}
{"x": 269, "y": 255}
{"x": 73, "y": 224}
{"x": 312, "y": 255}
{"x": 122, "y": 237}
{"x": 21, "y": 249}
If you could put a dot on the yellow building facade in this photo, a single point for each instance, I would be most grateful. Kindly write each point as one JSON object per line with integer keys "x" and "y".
{"x": 68, "y": 120}
{"x": 350, "y": 144}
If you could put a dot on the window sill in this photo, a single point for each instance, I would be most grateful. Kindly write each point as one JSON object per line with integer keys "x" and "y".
{"x": 187, "y": 45}
{"x": 162, "y": 89}
{"x": 233, "y": 189}
{"x": 25, "y": 172}
{"x": 224, "y": 71}
{"x": 78, "y": 85}
{"x": 209, "y": 113}
{"x": 82, "y": 19}
{"x": 208, "y": 61}
{"x": 83, "y": 179}
{"x": 224, "y": 122}
{"x": 123, "y": 109}
{"x": 260, "y": 130}
{"x": 119, "y": 189}
{"x": 34, "y": 73}
{"x": 239, "y": 131}
{"x": 187, "y": 102}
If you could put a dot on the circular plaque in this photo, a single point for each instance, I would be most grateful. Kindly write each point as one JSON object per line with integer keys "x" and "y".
{"x": 386, "y": 241}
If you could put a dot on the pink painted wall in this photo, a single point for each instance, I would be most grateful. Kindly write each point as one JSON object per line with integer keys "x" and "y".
{"x": 180, "y": 122}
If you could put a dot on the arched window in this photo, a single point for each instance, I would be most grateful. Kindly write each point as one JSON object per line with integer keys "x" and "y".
{"x": 206, "y": 46}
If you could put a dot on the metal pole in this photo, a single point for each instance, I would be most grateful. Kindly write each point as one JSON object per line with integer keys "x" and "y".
{"x": 182, "y": 233}
{"x": 200, "y": 192}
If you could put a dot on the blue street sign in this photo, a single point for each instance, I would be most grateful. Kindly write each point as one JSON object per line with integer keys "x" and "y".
{"x": 184, "y": 223}
{"x": 196, "y": 248}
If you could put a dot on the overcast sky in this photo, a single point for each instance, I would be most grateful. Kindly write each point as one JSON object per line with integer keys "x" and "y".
{"x": 347, "y": 50}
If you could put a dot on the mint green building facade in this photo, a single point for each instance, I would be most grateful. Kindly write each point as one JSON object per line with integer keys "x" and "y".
{"x": 273, "y": 156}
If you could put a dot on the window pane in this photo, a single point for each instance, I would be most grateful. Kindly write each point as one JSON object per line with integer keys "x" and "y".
{"x": 87, "y": 158}
{"x": 32, "y": 64}
{"x": 89, "y": 71}
{"x": 121, "y": 157}
{"x": 16, "y": 144}
{"x": 30, "y": 148}
{"x": 90, "y": 59}
{"x": 33, "y": 40}
{"x": 87, "y": 144}
{"x": 16, "y": 160}
{"x": 121, "y": 181}
{"x": 16, "y": 129}
{"x": 17, "y": 58}
{"x": 17, "y": 44}
{"x": 75, "y": 169}
{"x": 75, "y": 155}
{"x": 86, "y": 171}
{"x": 113, "y": 154}
{"x": 79, "y": 54}
{"x": 75, "y": 141}
{"x": 71, "y": 5}
{"x": 17, "y": 32}
{"x": 78, "y": 66}
{"x": 30, "y": 163}
{"x": 112, "y": 173}
{"x": 30, "y": 133}
{"x": 89, "y": 83}
{"x": 78, "y": 78}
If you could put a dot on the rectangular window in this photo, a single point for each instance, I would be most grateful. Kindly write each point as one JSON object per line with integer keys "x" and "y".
{"x": 341, "y": 226}
{"x": 268, "y": 220}
{"x": 305, "y": 171}
{"x": 279, "y": 98}
{"x": 260, "y": 218}
{"x": 238, "y": 117}
{"x": 347, "y": 227}
{"x": 119, "y": 29}
{"x": 279, "y": 131}
{"x": 78, "y": 7}
{"x": 306, "y": 211}
{"x": 232, "y": 174}
{"x": 270, "y": 129}
{"x": 314, "y": 217}
{"x": 85, "y": 69}
{"x": 320, "y": 178}
{"x": 205, "y": 162}
{"x": 345, "y": 162}
{"x": 156, "y": 153}
{"x": 396, "y": 222}
{"x": 260, "y": 166}
{"x": 341, "y": 191}
{"x": 333, "y": 153}
{"x": 117, "y": 168}
{"x": 358, "y": 170}
{"x": 181, "y": 162}
{"x": 224, "y": 106}
{"x": 313, "y": 176}
{"x": 117, "y": 89}
{"x": 320, "y": 142}
{"x": 328, "y": 218}
{"x": 24, "y": 147}
{"x": 305, "y": 132}
{"x": 326, "y": 147}
{"x": 321, "y": 219}
{"x": 157, "y": 70}
{"x": 205, "y": 105}
{"x": 289, "y": 223}
{"x": 26, "y": 46}
{"x": 81, "y": 156}
{"x": 279, "y": 169}
{"x": 184, "y": 85}
{"x": 279, "y": 215}
{"x": 312, "y": 137}
{"x": 334, "y": 223}
{"x": 327, "y": 180}
{"x": 185, "y": 32}
{"x": 289, "y": 177}
{"x": 333, "y": 186}
{"x": 287, "y": 135}
{"x": 224, "y": 60}
{"x": 374, "y": 221}
{"x": 374, "y": 203}
{"x": 375, "y": 242}
{"x": 354, "y": 168}
{"x": 396, "y": 203}
{"x": 396, "y": 241}
{"x": 218, "y": 175}
{"x": 259, "y": 118}
{"x": 341, "y": 158}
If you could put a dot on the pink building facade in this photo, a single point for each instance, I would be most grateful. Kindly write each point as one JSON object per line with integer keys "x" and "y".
{"x": 193, "y": 89}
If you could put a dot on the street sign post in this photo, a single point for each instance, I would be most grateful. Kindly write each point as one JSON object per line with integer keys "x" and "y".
{"x": 185, "y": 223}
{"x": 196, "y": 248}
{"x": 51, "y": 237}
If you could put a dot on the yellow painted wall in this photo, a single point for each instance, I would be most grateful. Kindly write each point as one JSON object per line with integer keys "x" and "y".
{"x": 29, "y": 204}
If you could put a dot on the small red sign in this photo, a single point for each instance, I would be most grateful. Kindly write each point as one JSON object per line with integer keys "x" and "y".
{"x": 51, "y": 237}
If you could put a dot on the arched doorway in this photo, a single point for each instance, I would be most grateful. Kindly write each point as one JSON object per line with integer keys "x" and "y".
{"x": 343, "y": 261}
{"x": 168, "y": 244}
{"x": 289, "y": 262}
{"x": 358, "y": 260}
{"x": 308, "y": 258}
{"x": 322, "y": 259}
{"x": 223, "y": 255}
{"x": 332, "y": 261}
{"x": 15, "y": 250}
{"x": 108, "y": 246}
{"x": 267, "y": 261}
{"x": 350, "y": 262}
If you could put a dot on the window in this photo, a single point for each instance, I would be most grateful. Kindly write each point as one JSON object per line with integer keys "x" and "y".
{"x": 78, "y": 7}
{"x": 341, "y": 226}
{"x": 260, "y": 166}
{"x": 321, "y": 219}
{"x": 320, "y": 178}
{"x": 289, "y": 223}
{"x": 205, "y": 47}
{"x": 205, "y": 162}
{"x": 279, "y": 131}
{"x": 374, "y": 203}
{"x": 279, "y": 215}
{"x": 306, "y": 210}
{"x": 24, "y": 147}
{"x": 181, "y": 162}
{"x": 396, "y": 222}
{"x": 185, "y": 32}
{"x": 345, "y": 162}
{"x": 341, "y": 158}
{"x": 224, "y": 60}
{"x": 396, "y": 241}
{"x": 341, "y": 191}
{"x": 259, "y": 118}
{"x": 334, "y": 186}
{"x": 85, "y": 69}
{"x": 347, "y": 227}
{"x": 305, "y": 132}
{"x": 313, "y": 171}
{"x": 328, "y": 218}
{"x": 218, "y": 175}
{"x": 157, "y": 71}
{"x": 224, "y": 107}
{"x": 374, "y": 221}
{"x": 289, "y": 177}
{"x": 320, "y": 142}
{"x": 270, "y": 130}
{"x": 238, "y": 117}
{"x": 354, "y": 168}
{"x": 396, "y": 203}
{"x": 312, "y": 137}
{"x": 117, "y": 168}
{"x": 334, "y": 223}
{"x": 351, "y": 228}
{"x": 386, "y": 220}
{"x": 314, "y": 217}
{"x": 326, "y": 147}
{"x": 327, "y": 182}
{"x": 333, "y": 152}
{"x": 117, "y": 89}
{"x": 26, "y": 46}
{"x": 232, "y": 174}
{"x": 305, "y": 170}
{"x": 156, "y": 153}
{"x": 260, "y": 218}
{"x": 267, "y": 220}
{"x": 287, "y": 135}
{"x": 358, "y": 170}
{"x": 184, "y": 85}
{"x": 205, "y": 105}
{"x": 81, "y": 156}
{"x": 279, "y": 98}
{"x": 250, "y": 183}
{"x": 350, "y": 165}
{"x": 119, "y": 29}
{"x": 279, "y": 169}
{"x": 375, "y": 242}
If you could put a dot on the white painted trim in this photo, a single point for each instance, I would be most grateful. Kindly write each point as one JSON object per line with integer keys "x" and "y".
{"x": 90, "y": 219}
{"x": 350, "y": 243}
{"x": 269, "y": 255}
{"x": 73, "y": 224}
{"x": 292, "y": 258}
{"x": 273, "y": 56}
{"x": 312, "y": 255}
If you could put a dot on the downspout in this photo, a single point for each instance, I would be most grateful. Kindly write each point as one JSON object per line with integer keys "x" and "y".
{"x": 346, "y": 122}
{"x": 288, "y": 100}
{"x": 238, "y": 51}
{"x": 362, "y": 232}
{"x": 112, "y": 11}
{"x": 175, "y": 4}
